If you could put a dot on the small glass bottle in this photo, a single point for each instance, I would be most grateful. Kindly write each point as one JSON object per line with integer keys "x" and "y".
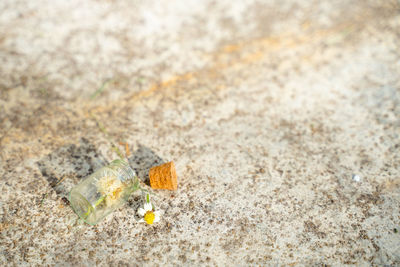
{"x": 104, "y": 191}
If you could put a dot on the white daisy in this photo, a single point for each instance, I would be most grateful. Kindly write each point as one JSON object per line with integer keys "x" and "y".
{"x": 149, "y": 215}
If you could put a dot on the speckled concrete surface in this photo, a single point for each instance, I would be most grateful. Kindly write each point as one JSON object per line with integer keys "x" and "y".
{"x": 267, "y": 108}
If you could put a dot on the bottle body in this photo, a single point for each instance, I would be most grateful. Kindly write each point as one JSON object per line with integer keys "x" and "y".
{"x": 104, "y": 191}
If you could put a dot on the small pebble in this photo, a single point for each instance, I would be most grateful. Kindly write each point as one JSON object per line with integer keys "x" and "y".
{"x": 356, "y": 178}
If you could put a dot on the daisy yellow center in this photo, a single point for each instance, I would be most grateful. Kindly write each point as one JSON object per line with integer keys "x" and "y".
{"x": 149, "y": 217}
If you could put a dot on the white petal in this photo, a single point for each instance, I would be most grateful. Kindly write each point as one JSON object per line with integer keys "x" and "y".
{"x": 141, "y": 221}
{"x": 157, "y": 213}
{"x": 156, "y": 219}
{"x": 148, "y": 207}
{"x": 141, "y": 211}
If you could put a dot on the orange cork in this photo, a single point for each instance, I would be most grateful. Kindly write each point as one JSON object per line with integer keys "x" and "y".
{"x": 164, "y": 177}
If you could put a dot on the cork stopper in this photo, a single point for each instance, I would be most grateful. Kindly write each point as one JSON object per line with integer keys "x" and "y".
{"x": 164, "y": 176}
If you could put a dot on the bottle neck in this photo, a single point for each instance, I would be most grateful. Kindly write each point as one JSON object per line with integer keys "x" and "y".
{"x": 125, "y": 172}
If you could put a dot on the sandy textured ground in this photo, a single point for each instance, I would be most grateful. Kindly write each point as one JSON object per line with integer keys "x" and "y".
{"x": 268, "y": 110}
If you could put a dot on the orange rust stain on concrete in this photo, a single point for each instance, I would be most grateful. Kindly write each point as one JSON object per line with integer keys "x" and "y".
{"x": 231, "y": 48}
{"x": 220, "y": 63}
{"x": 165, "y": 84}
{"x": 234, "y": 55}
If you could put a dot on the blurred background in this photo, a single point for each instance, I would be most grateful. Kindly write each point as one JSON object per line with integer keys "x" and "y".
{"x": 268, "y": 108}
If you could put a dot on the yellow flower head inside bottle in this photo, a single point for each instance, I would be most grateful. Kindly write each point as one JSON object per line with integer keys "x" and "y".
{"x": 104, "y": 191}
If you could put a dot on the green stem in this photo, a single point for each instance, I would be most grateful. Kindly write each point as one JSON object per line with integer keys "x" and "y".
{"x": 101, "y": 89}
{"x": 99, "y": 201}
{"x": 44, "y": 196}
{"x": 104, "y": 131}
{"x": 90, "y": 209}
{"x": 136, "y": 186}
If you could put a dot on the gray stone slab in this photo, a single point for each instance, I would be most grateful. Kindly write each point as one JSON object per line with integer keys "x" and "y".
{"x": 282, "y": 117}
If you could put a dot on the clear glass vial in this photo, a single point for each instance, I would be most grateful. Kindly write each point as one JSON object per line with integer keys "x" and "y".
{"x": 104, "y": 191}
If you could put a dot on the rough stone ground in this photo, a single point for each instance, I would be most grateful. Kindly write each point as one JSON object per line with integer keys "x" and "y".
{"x": 267, "y": 108}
